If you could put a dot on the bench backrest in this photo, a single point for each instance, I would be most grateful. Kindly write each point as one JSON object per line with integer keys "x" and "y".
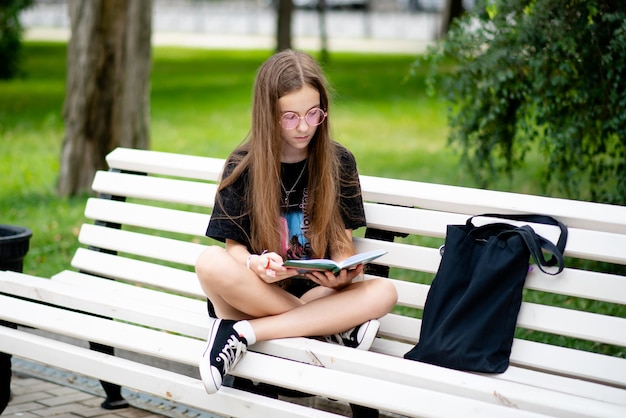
{"x": 154, "y": 207}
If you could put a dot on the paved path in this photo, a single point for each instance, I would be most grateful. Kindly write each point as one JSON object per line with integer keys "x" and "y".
{"x": 37, "y": 398}
{"x": 40, "y": 391}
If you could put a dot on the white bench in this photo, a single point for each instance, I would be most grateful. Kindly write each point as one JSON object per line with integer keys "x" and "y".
{"x": 160, "y": 311}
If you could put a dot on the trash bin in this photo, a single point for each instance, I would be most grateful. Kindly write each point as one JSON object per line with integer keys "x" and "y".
{"x": 14, "y": 241}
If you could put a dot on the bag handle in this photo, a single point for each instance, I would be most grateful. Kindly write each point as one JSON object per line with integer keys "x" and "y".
{"x": 536, "y": 243}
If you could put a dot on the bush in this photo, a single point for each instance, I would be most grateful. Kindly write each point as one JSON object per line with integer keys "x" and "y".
{"x": 541, "y": 75}
{"x": 10, "y": 36}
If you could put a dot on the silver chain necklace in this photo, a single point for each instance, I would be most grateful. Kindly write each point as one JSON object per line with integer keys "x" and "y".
{"x": 288, "y": 192}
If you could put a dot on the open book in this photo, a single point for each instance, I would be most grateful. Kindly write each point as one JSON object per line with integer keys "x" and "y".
{"x": 319, "y": 264}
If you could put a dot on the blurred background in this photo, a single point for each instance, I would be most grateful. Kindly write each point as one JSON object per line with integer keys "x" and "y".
{"x": 408, "y": 23}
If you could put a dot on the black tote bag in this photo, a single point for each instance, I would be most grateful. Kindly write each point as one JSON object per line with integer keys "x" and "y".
{"x": 471, "y": 309}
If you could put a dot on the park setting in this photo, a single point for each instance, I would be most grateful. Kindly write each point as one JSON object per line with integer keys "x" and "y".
{"x": 509, "y": 113}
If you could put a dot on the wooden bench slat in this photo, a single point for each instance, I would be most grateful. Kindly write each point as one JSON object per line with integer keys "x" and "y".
{"x": 108, "y": 304}
{"x": 101, "y": 330}
{"x": 437, "y": 378}
{"x": 400, "y": 327}
{"x": 557, "y": 383}
{"x": 137, "y": 271}
{"x": 547, "y": 366}
{"x": 577, "y": 283}
{"x": 412, "y": 295}
{"x": 167, "y": 249}
{"x": 155, "y": 162}
{"x": 598, "y": 286}
{"x": 185, "y": 282}
{"x": 572, "y": 282}
{"x": 402, "y": 256}
{"x": 128, "y": 291}
{"x": 566, "y": 322}
{"x": 596, "y": 367}
{"x": 410, "y": 220}
{"x": 169, "y": 385}
{"x": 590, "y": 366}
{"x": 145, "y": 216}
{"x": 595, "y": 245}
{"x": 154, "y": 188}
{"x": 573, "y": 323}
{"x": 580, "y": 283}
{"x": 576, "y": 214}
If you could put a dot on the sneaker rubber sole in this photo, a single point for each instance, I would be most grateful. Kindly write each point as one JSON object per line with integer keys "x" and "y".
{"x": 212, "y": 381}
{"x": 369, "y": 329}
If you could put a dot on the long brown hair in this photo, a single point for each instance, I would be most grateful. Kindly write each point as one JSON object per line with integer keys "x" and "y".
{"x": 285, "y": 72}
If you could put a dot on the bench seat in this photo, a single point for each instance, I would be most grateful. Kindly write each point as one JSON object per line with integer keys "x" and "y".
{"x": 135, "y": 266}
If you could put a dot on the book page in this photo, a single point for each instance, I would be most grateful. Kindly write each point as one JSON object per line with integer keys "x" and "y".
{"x": 305, "y": 266}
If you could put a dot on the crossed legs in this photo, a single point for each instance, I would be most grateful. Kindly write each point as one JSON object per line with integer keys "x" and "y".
{"x": 238, "y": 293}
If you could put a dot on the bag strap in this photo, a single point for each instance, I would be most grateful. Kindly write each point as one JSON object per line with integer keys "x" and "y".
{"x": 536, "y": 243}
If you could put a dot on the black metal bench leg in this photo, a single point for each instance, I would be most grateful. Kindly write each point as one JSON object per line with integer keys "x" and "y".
{"x": 359, "y": 411}
{"x": 114, "y": 399}
{"x": 5, "y": 373}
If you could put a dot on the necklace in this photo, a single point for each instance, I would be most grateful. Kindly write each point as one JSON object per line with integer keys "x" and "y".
{"x": 288, "y": 192}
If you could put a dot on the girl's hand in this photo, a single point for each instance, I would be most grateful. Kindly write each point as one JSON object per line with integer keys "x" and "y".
{"x": 341, "y": 280}
{"x": 269, "y": 267}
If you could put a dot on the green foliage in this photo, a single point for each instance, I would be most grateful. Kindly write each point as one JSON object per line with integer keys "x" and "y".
{"x": 10, "y": 36}
{"x": 544, "y": 76}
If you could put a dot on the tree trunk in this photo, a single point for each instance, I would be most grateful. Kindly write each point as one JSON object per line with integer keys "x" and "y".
{"x": 108, "y": 84}
{"x": 452, "y": 10}
{"x": 321, "y": 13}
{"x": 283, "y": 33}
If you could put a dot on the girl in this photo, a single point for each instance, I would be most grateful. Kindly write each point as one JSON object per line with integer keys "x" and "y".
{"x": 289, "y": 191}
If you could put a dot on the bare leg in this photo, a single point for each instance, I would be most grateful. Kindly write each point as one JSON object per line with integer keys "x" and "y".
{"x": 238, "y": 293}
{"x": 330, "y": 314}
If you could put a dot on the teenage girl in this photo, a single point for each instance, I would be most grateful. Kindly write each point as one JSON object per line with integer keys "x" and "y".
{"x": 289, "y": 191}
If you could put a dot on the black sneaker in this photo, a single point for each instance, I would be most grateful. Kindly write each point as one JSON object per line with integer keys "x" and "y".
{"x": 225, "y": 347}
{"x": 360, "y": 337}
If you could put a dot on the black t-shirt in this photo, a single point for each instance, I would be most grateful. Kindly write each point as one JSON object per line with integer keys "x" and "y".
{"x": 231, "y": 220}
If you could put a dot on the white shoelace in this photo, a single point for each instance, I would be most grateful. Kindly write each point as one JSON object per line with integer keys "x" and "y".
{"x": 231, "y": 353}
{"x": 340, "y": 337}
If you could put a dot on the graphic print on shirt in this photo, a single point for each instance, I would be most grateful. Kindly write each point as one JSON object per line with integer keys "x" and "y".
{"x": 293, "y": 235}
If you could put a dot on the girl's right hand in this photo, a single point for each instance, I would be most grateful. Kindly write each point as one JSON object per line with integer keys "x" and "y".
{"x": 269, "y": 267}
